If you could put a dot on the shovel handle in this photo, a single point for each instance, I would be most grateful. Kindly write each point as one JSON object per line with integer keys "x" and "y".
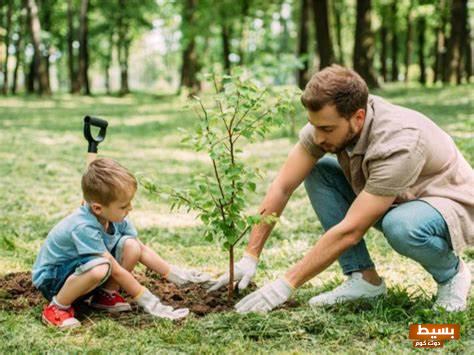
{"x": 94, "y": 141}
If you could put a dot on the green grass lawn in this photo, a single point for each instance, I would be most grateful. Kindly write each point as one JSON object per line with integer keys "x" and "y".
{"x": 42, "y": 156}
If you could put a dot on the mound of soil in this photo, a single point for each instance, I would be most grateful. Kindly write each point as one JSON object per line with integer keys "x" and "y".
{"x": 17, "y": 292}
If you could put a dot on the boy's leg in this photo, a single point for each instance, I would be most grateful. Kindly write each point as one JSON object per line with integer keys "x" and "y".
{"x": 127, "y": 253}
{"x": 417, "y": 230}
{"x": 70, "y": 282}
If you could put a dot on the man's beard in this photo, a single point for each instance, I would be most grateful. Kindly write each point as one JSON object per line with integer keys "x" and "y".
{"x": 350, "y": 139}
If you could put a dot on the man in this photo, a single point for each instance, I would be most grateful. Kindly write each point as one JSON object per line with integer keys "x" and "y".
{"x": 395, "y": 170}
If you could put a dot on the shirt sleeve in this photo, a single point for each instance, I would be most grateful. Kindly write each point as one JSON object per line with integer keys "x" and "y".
{"x": 307, "y": 141}
{"x": 88, "y": 240}
{"x": 127, "y": 228}
{"x": 397, "y": 166}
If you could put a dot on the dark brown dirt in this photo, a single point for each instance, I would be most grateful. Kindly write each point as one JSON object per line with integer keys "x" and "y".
{"x": 17, "y": 293}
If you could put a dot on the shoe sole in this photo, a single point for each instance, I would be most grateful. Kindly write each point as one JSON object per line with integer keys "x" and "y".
{"x": 114, "y": 309}
{"x": 64, "y": 327}
{"x": 345, "y": 300}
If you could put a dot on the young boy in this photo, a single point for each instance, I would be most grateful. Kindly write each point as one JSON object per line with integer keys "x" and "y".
{"x": 96, "y": 246}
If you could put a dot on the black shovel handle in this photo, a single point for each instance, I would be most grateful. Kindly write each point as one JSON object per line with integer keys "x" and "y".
{"x": 96, "y": 122}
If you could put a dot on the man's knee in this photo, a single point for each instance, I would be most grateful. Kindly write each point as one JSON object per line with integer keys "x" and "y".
{"x": 131, "y": 249}
{"x": 323, "y": 168}
{"x": 400, "y": 234}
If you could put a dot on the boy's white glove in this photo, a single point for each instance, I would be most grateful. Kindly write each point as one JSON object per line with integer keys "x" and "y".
{"x": 266, "y": 298}
{"x": 244, "y": 270}
{"x": 180, "y": 276}
{"x": 152, "y": 305}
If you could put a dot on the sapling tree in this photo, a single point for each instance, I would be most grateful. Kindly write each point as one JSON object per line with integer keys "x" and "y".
{"x": 240, "y": 111}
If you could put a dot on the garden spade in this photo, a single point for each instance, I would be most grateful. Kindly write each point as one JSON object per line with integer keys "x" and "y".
{"x": 94, "y": 141}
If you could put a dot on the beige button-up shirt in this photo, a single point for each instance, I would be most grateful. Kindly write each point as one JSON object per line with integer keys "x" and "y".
{"x": 402, "y": 153}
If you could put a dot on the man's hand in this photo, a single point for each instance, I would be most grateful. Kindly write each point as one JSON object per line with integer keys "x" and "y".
{"x": 266, "y": 298}
{"x": 180, "y": 276}
{"x": 244, "y": 270}
{"x": 152, "y": 305}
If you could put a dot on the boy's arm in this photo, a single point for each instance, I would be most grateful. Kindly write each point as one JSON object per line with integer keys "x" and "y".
{"x": 153, "y": 261}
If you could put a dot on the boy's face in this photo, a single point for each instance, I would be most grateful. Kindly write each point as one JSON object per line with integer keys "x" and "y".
{"x": 116, "y": 211}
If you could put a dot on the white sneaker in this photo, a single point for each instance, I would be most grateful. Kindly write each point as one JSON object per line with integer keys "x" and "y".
{"x": 452, "y": 296}
{"x": 354, "y": 288}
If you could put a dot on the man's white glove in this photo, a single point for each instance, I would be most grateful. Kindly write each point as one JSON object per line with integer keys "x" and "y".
{"x": 152, "y": 305}
{"x": 181, "y": 277}
{"x": 266, "y": 298}
{"x": 244, "y": 270}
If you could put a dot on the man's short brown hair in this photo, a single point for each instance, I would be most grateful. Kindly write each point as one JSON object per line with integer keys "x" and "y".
{"x": 106, "y": 181}
{"x": 339, "y": 86}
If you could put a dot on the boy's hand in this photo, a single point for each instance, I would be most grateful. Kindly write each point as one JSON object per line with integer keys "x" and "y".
{"x": 180, "y": 276}
{"x": 244, "y": 271}
{"x": 152, "y": 305}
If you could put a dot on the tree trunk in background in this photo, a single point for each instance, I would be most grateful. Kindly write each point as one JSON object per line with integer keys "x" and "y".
{"x": 383, "y": 45}
{"x": 226, "y": 35}
{"x": 244, "y": 31}
{"x": 409, "y": 41}
{"x": 394, "y": 30}
{"x": 46, "y": 25}
{"x": 469, "y": 55}
{"x": 30, "y": 77}
{"x": 123, "y": 50}
{"x": 456, "y": 43}
{"x": 74, "y": 85}
{"x": 19, "y": 48}
{"x": 364, "y": 44}
{"x": 7, "y": 44}
{"x": 190, "y": 65}
{"x": 337, "y": 10}
{"x": 440, "y": 43}
{"x": 421, "y": 46}
{"x": 83, "y": 49}
{"x": 40, "y": 67}
{"x": 108, "y": 62}
{"x": 303, "y": 45}
{"x": 324, "y": 43}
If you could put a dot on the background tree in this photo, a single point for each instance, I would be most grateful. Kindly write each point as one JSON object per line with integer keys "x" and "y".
{"x": 364, "y": 44}
{"x": 324, "y": 42}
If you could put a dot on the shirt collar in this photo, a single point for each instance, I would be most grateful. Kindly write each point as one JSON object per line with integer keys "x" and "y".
{"x": 363, "y": 142}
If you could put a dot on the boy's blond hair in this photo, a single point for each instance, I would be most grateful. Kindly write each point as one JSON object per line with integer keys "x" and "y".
{"x": 106, "y": 181}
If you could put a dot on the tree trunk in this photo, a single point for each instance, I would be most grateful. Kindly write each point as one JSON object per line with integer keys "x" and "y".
{"x": 383, "y": 45}
{"x": 230, "y": 286}
{"x": 40, "y": 67}
{"x": 7, "y": 44}
{"x": 30, "y": 77}
{"x": 456, "y": 44}
{"x": 409, "y": 42}
{"x": 337, "y": 10}
{"x": 325, "y": 49}
{"x": 395, "y": 71}
{"x": 122, "y": 48}
{"x": 364, "y": 44}
{"x": 469, "y": 55}
{"x": 74, "y": 85}
{"x": 244, "y": 31}
{"x": 83, "y": 49}
{"x": 226, "y": 35}
{"x": 19, "y": 50}
{"x": 303, "y": 45}
{"x": 108, "y": 62}
{"x": 190, "y": 65}
{"x": 440, "y": 43}
{"x": 421, "y": 46}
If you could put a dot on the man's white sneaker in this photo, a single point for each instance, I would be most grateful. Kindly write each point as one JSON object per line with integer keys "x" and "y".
{"x": 352, "y": 289}
{"x": 452, "y": 296}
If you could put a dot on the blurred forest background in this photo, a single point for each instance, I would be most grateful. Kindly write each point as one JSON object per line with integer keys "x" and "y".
{"x": 115, "y": 46}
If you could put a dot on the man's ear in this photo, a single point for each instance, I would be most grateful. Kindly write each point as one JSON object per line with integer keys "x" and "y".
{"x": 96, "y": 208}
{"x": 360, "y": 117}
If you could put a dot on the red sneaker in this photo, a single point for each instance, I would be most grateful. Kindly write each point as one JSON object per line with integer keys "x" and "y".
{"x": 111, "y": 302}
{"x": 60, "y": 318}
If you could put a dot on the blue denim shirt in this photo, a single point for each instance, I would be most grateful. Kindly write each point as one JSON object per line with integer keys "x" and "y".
{"x": 77, "y": 235}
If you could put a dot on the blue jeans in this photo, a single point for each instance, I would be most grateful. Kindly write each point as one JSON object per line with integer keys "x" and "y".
{"x": 414, "y": 229}
{"x": 55, "y": 277}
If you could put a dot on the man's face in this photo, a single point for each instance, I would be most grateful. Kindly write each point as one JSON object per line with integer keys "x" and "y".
{"x": 334, "y": 132}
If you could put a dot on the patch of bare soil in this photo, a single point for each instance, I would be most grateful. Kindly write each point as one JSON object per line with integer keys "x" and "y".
{"x": 17, "y": 293}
